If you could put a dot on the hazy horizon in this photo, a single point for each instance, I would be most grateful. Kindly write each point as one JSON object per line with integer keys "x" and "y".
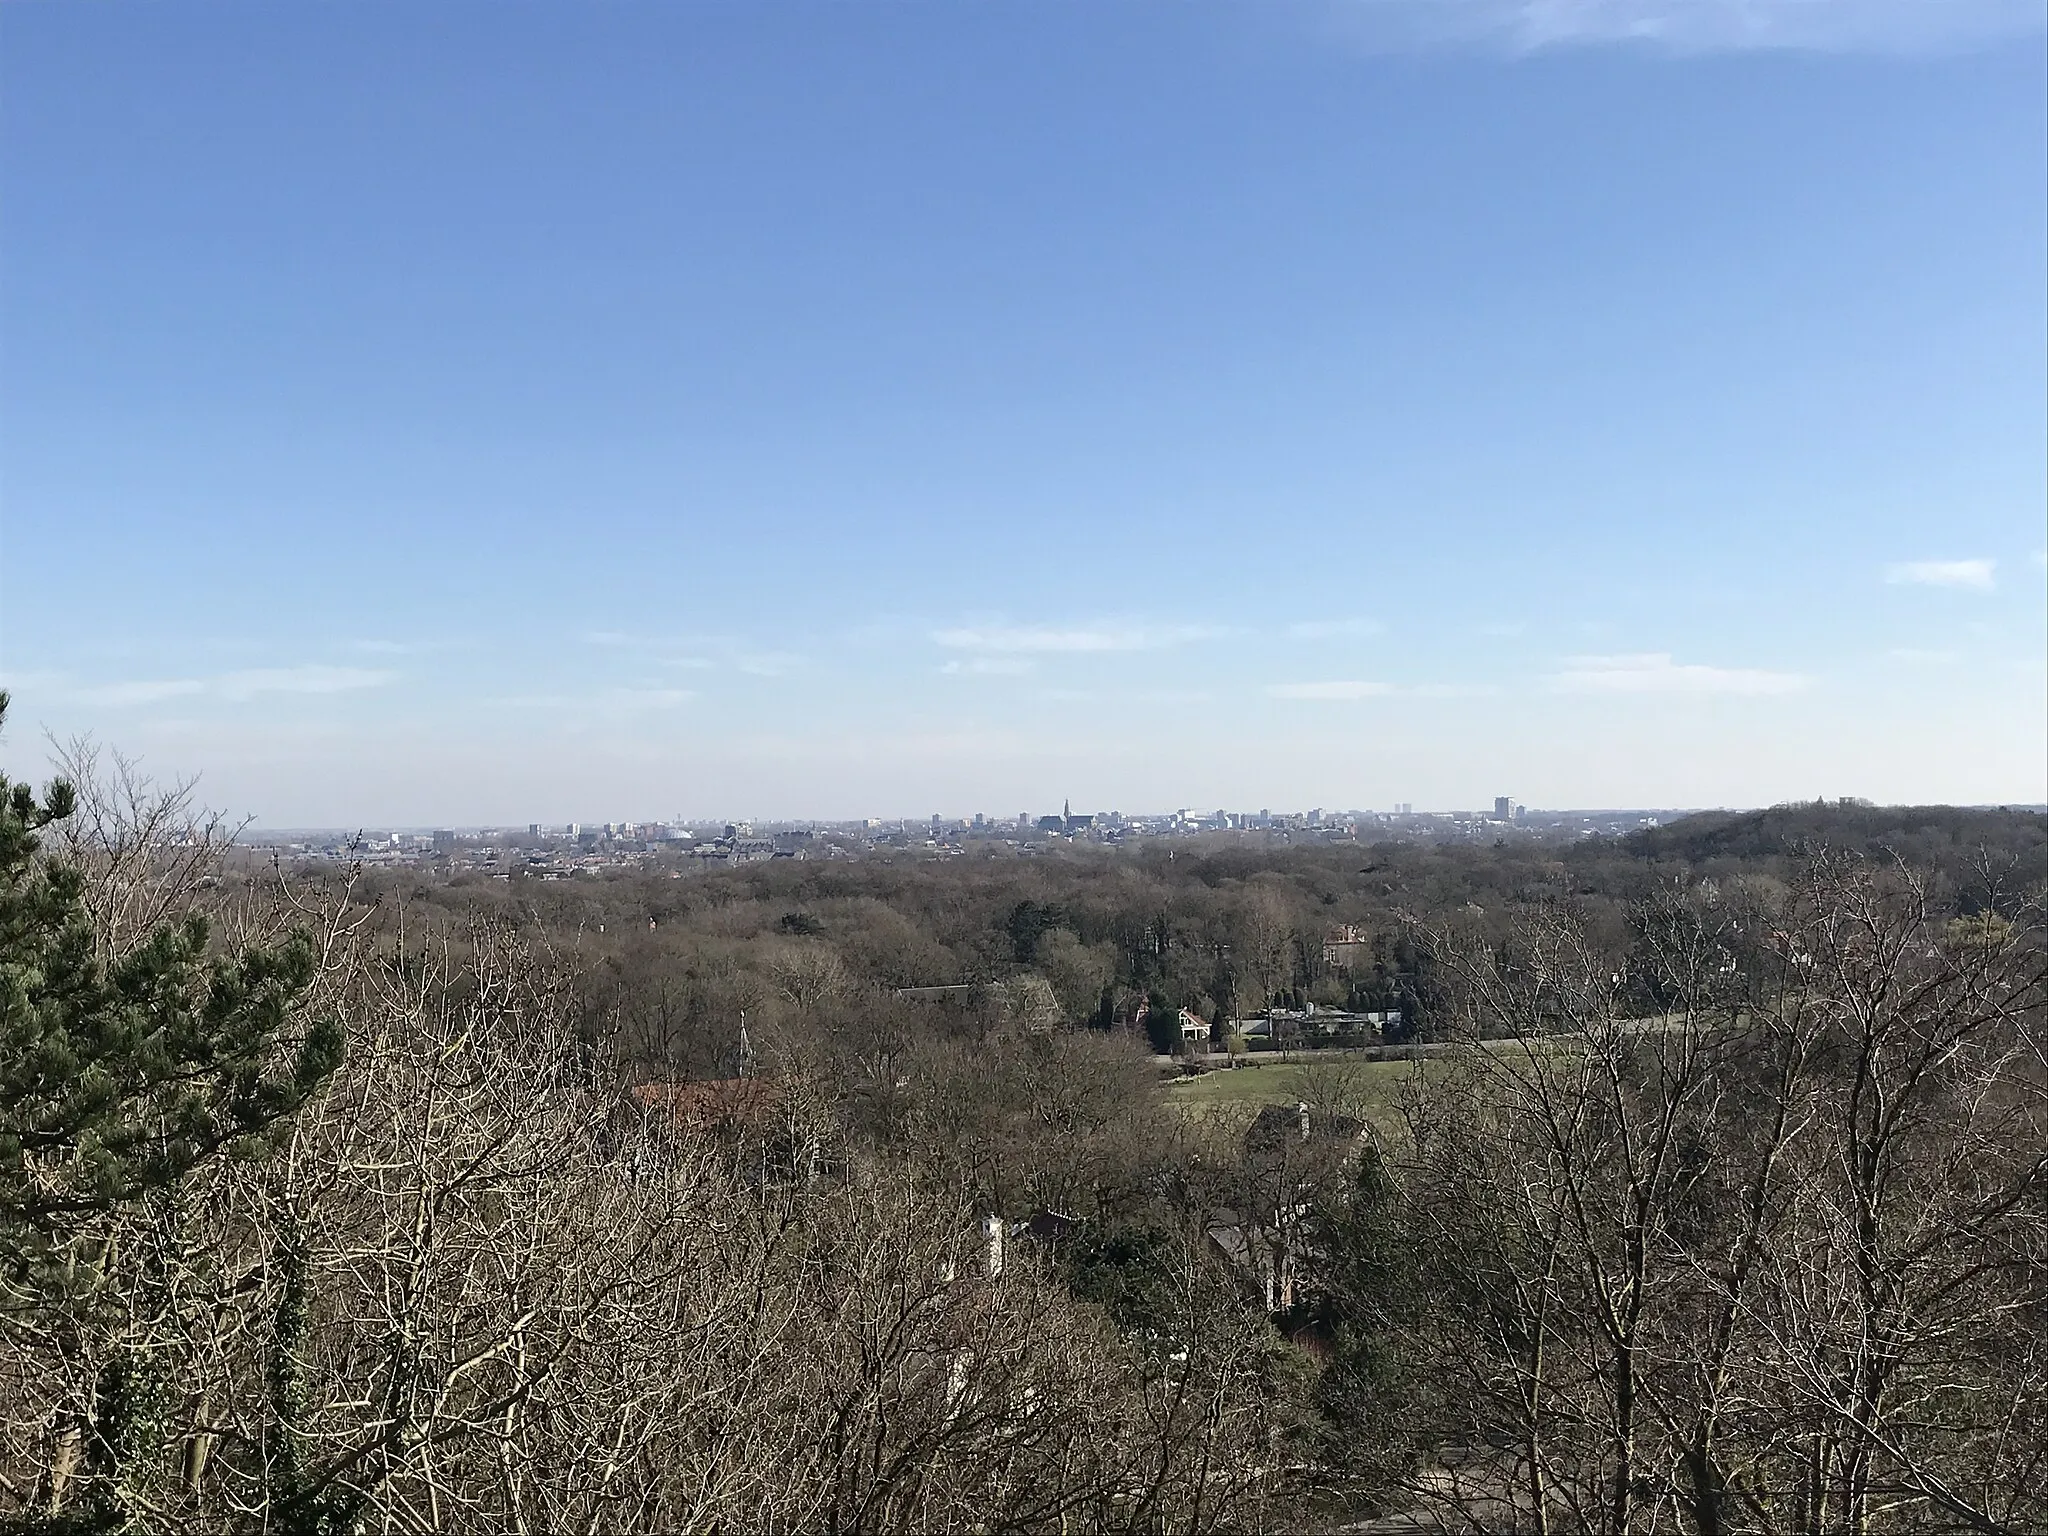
{"x": 453, "y": 414}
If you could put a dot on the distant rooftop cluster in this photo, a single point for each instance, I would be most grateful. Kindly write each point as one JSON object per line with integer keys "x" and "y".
{"x": 562, "y": 850}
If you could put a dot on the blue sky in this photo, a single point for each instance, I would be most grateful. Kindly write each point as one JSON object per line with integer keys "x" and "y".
{"x": 435, "y": 412}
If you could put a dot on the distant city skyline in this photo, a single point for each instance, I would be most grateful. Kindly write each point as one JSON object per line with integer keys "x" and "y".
{"x": 1356, "y": 818}
{"x": 431, "y": 414}
{"x": 680, "y": 845}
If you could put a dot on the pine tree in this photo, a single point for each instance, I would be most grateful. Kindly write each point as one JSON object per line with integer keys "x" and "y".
{"x": 119, "y": 1078}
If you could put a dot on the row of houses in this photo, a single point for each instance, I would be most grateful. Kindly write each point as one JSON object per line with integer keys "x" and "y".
{"x": 1313, "y": 1022}
{"x": 1284, "y": 1026}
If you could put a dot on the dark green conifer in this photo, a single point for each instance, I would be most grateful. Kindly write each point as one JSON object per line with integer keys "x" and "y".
{"x": 118, "y": 1078}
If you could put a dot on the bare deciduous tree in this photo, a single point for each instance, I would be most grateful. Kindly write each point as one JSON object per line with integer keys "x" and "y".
{"x": 145, "y": 846}
{"x": 1768, "y": 1254}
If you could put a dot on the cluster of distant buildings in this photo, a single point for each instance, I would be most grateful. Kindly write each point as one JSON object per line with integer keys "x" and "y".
{"x": 555, "y": 851}
{"x": 560, "y": 850}
{"x": 1279, "y": 1028}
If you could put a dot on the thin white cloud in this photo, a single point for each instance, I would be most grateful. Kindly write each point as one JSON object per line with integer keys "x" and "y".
{"x": 1333, "y": 629}
{"x": 234, "y": 687}
{"x": 1045, "y": 640}
{"x": 1913, "y": 656}
{"x": 613, "y": 701}
{"x": 376, "y": 646}
{"x": 1695, "y": 26}
{"x": 1123, "y": 697}
{"x": 1974, "y": 575}
{"x": 243, "y": 686}
{"x": 1657, "y": 673}
{"x": 1346, "y": 689}
{"x": 644, "y": 698}
{"x": 768, "y": 663}
{"x": 139, "y": 691}
{"x": 988, "y": 666}
{"x": 687, "y": 652}
{"x": 1330, "y": 690}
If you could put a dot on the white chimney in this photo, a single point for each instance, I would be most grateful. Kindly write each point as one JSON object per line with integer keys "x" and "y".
{"x": 992, "y": 1233}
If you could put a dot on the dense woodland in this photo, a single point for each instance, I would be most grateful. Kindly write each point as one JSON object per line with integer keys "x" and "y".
{"x": 813, "y": 950}
{"x": 1717, "y": 1202}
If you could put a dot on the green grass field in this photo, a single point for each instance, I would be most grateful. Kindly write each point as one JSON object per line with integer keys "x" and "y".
{"x": 1375, "y": 1083}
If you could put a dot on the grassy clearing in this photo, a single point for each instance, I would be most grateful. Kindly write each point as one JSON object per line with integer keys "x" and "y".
{"x": 1374, "y": 1083}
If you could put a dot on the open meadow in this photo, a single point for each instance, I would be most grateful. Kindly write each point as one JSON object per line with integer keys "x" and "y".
{"x": 1374, "y": 1086}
